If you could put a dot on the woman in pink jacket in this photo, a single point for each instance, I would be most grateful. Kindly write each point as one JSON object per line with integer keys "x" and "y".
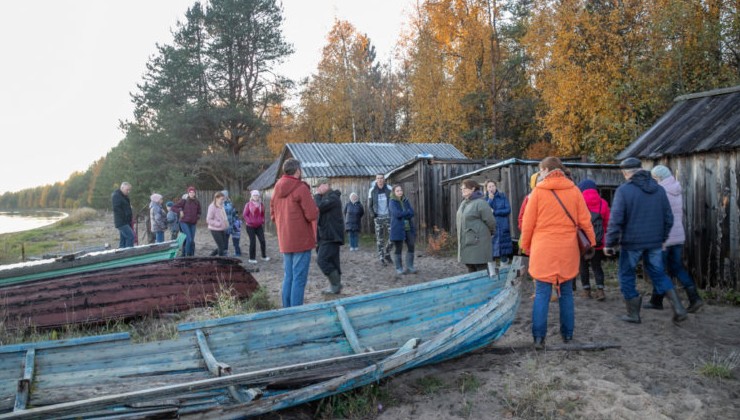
{"x": 254, "y": 218}
{"x": 596, "y": 206}
{"x": 218, "y": 223}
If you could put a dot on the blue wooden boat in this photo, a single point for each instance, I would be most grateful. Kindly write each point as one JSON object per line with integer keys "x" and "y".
{"x": 76, "y": 264}
{"x": 252, "y": 364}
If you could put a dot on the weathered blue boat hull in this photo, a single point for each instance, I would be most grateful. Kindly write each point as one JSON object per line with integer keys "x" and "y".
{"x": 288, "y": 356}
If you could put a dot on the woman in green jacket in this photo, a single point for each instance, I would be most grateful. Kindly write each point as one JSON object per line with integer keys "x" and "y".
{"x": 475, "y": 225}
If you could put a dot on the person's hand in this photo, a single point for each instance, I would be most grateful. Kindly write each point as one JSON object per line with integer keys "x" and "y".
{"x": 609, "y": 251}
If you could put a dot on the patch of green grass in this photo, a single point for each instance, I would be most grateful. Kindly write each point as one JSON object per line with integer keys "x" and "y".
{"x": 259, "y": 302}
{"x": 720, "y": 367}
{"x": 467, "y": 382}
{"x": 361, "y": 403}
{"x": 429, "y": 385}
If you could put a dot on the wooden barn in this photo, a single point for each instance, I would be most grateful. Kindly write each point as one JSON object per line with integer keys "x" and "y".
{"x": 352, "y": 168}
{"x": 512, "y": 177}
{"x": 699, "y": 140}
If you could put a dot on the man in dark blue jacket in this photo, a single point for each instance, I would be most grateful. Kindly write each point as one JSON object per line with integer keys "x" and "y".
{"x": 640, "y": 221}
{"x": 123, "y": 215}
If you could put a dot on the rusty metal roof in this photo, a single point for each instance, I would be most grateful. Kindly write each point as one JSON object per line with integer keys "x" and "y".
{"x": 701, "y": 122}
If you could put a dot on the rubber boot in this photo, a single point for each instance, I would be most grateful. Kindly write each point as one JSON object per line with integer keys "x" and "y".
{"x": 695, "y": 301}
{"x": 656, "y": 302}
{"x": 633, "y": 310}
{"x": 679, "y": 312}
{"x": 399, "y": 265}
{"x": 335, "y": 281}
{"x": 410, "y": 263}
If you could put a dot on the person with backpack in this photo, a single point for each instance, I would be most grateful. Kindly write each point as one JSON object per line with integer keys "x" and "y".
{"x": 599, "y": 209}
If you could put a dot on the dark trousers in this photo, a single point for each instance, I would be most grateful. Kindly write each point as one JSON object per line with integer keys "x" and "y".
{"x": 222, "y": 240}
{"x": 258, "y": 233}
{"x": 410, "y": 240}
{"x": 328, "y": 257}
{"x": 595, "y": 264}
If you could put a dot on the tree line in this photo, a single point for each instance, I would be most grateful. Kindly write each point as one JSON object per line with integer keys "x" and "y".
{"x": 495, "y": 78}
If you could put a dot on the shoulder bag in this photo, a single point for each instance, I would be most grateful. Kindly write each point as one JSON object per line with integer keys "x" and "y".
{"x": 584, "y": 245}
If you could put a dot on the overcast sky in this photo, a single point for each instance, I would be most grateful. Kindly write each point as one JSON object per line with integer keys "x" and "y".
{"x": 69, "y": 65}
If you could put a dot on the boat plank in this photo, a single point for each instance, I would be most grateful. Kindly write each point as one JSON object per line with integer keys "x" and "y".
{"x": 214, "y": 366}
{"x": 69, "y": 342}
{"x": 349, "y": 332}
{"x": 24, "y": 384}
{"x": 99, "y": 403}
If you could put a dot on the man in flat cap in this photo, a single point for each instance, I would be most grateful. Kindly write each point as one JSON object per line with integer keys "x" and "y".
{"x": 330, "y": 234}
{"x": 640, "y": 221}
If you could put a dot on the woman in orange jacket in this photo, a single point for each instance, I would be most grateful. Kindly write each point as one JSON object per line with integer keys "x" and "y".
{"x": 549, "y": 237}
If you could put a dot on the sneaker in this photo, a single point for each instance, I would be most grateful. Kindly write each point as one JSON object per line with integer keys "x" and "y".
{"x": 265, "y": 258}
{"x": 388, "y": 259}
{"x": 599, "y": 295}
{"x": 253, "y": 261}
{"x": 383, "y": 263}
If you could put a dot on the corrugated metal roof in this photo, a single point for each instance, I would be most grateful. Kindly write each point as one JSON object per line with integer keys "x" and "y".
{"x": 703, "y": 122}
{"x": 363, "y": 159}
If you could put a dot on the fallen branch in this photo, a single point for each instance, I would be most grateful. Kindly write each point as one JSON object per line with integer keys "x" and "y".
{"x": 555, "y": 347}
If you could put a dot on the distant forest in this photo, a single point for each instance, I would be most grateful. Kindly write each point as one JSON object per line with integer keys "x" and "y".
{"x": 497, "y": 79}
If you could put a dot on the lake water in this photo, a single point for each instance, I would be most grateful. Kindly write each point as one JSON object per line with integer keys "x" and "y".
{"x": 17, "y": 221}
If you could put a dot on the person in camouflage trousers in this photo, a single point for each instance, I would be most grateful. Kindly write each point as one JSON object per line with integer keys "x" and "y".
{"x": 378, "y": 199}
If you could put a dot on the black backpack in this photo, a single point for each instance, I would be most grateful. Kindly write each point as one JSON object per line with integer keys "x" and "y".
{"x": 598, "y": 223}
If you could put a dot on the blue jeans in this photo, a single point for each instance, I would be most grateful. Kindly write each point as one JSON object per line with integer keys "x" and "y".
{"x": 653, "y": 261}
{"x": 541, "y": 306}
{"x": 126, "y": 235}
{"x": 295, "y": 266}
{"x": 354, "y": 239}
{"x": 237, "y": 247}
{"x": 674, "y": 266}
{"x": 159, "y": 237}
{"x": 189, "y": 230}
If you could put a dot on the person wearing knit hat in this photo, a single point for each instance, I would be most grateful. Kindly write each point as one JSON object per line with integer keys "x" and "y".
{"x": 173, "y": 221}
{"x": 641, "y": 221}
{"x": 673, "y": 246}
{"x": 254, "y": 219}
{"x": 157, "y": 217}
{"x": 600, "y": 213}
{"x": 189, "y": 210}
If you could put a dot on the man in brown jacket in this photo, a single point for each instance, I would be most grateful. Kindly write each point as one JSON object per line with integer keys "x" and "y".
{"x": 294, "y": 212}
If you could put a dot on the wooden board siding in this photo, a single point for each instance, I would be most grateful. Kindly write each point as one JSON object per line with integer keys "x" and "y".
{"x": 513, "y": 180}
{"x": 711, "y": 216}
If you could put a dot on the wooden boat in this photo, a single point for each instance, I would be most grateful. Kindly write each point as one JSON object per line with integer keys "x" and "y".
{"x": 123, "y": 292}
{"x": 75, "y": 264}
{"x": 251, "y": 364}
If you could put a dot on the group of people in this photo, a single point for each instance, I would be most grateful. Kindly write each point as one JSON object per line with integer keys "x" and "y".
{"x": 222, "y": 218}
{"x": 645, "y": 223}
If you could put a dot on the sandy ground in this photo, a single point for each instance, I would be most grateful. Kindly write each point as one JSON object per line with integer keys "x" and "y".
{"x": 654, "y": 373}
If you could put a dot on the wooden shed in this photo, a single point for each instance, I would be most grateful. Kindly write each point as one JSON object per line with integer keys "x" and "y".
{"x": 421, "y": 179}
{"x": 352, "y": 167}
{"x": 512, "y": 177}
{"x": 699, "y": 140}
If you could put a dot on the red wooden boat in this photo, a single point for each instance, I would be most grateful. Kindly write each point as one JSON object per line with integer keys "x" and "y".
{"x": 124, "y": 292}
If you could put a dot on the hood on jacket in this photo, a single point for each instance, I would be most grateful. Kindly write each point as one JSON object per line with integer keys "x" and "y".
{"x": 671, "y": 186}
{"x": 287, "y": 186}
{"x": 475, "y": 195}
{"x": 593, "y": 199}
{"x": 587, "y": 184}
{"x": 643, "y": 180}
{"x": 556, "y": 180}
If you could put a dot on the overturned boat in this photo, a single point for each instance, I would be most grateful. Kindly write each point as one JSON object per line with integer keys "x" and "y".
{"x": 98, "y": 296}
{"x": 75, "y": 264}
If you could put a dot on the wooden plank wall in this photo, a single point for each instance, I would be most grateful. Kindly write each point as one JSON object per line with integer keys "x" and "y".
{"x": 513, "y": 180}
{"x": 711, "y": 216}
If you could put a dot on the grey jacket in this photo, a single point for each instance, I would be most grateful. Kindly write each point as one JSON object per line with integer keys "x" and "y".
{"x": 475, "y": 223}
